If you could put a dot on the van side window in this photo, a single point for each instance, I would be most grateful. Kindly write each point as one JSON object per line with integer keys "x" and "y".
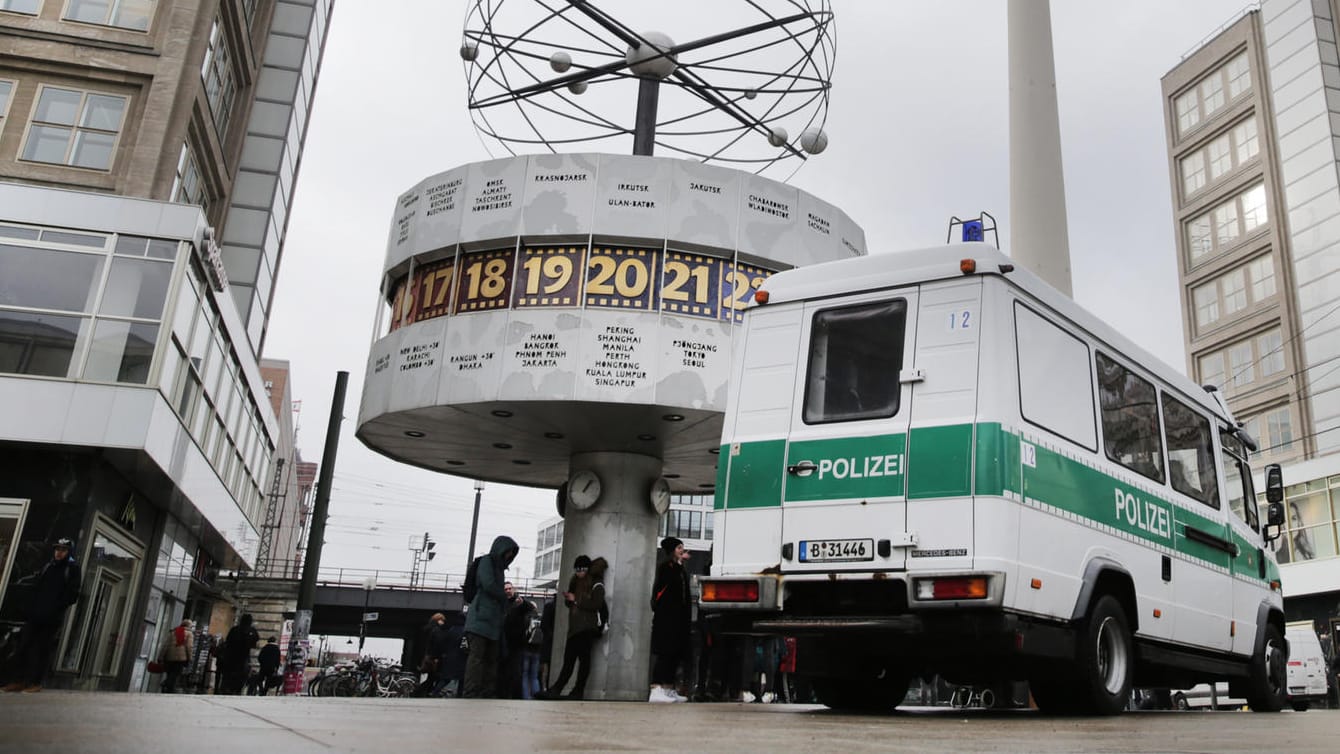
{"x": 1190, "y": 452}
{"x": 1238, "y": 478}
{"x": 856, "y": 354}
{"x": 1130, "y": 414}
{"x": 1055, "y": 387}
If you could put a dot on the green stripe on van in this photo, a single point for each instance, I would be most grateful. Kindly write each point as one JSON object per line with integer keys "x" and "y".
{"x": 942, "y": 462}
{"x": 997, "y": 463}
{"x": 754, "y": 474}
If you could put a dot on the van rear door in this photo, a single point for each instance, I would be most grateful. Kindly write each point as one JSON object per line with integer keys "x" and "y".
{"x": 845, "y": 486}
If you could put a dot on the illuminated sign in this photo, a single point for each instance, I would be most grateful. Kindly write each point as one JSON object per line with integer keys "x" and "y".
{"x": 609, "y": 277}
{"x": 547, "y": 276}
{"x": 484, "y": 281}
{"x": 621, "y": 278}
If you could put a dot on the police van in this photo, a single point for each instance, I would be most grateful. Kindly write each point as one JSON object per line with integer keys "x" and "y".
{"x": 933, "y": 462}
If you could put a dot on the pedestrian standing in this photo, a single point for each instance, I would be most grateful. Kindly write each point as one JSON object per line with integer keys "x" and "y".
{"x": 175, "y": 654}
{"x": 585, "y": 599}
{"x": 530, "y": 653}
{"x": 483, "y": 625}
{"x": 53, "y": 589}
{"x": 235, "y": 663}
{"x": 671, "y": 622}
{"x": 434, "y": 654}
{"x": 547, "y": 618}
{"x": 269, "y": 659}
{"x": 516, "y": 624}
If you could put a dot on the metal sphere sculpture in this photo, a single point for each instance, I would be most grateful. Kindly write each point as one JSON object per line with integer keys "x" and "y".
{"x": 551, "y": 75}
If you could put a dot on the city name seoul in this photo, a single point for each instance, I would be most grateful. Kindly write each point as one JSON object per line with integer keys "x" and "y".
{"x": 852, "y": 468}
{"x": 1144, "y": 514}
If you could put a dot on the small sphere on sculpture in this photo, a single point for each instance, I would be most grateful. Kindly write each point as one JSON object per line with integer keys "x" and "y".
{"x": 577, "y": 87}
{"x": 778, "y": 136}
{"x": 560, "y": 62}
{"x": 813, "y": 140}
{"x": 469, "y": 50}
{"x": 647, "y": 60}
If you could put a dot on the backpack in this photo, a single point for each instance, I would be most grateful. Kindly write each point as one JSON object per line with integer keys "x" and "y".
{"x": 535, "y": 633}
{"x": 471, "y": 586}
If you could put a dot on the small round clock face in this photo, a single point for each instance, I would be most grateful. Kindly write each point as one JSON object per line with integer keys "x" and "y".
{"x": 660, "y": 496}
{"x": 583, "y": 489}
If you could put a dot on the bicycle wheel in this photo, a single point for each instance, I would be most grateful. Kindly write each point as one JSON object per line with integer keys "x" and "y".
{"x": 403, "y": 687}
{"x": 987, "y": 699}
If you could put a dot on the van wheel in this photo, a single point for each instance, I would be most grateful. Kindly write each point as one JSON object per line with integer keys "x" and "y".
{"x": 1054, "y": 696}
{"x": 861, "y": 695}
{"x": 1179, "y": 702}
{"x": 1301, "y": 706}
{"x": 1268, "y": 687}
{"x": 1105, "y": 659}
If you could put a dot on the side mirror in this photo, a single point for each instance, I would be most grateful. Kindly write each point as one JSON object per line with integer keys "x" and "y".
{"x": 1274, "y": 484}
{"x": 1275, "y": 514}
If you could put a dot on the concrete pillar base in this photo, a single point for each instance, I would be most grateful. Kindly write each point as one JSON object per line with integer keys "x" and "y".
{"x": 621, "y": 527}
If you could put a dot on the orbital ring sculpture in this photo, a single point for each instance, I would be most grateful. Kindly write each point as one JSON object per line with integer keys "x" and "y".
{"x": 560, "y": 73}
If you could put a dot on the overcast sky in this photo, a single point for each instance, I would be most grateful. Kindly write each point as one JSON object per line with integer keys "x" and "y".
{"x": 918, "y": 129}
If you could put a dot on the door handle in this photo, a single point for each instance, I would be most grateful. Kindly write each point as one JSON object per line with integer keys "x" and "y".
{"x": 1210, "y": 540}
{"x": 804, "y": 468}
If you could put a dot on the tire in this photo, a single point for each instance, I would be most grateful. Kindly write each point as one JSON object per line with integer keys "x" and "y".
{"x": 1179, "y": 702}
{"x": 1268, "y": 688}
{"x": 987, "y": 699}
{"x": 865, "y": 695}
{"x": 403, "y": 687}
{"x": 1104, "y": 659}
{"x": 1301, "y": 706}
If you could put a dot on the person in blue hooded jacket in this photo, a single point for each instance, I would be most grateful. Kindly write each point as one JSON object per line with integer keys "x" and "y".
{"x": 484, "y": 622}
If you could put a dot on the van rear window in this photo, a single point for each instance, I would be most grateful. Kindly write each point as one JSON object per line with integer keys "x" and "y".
{"x": 856, "y": 355}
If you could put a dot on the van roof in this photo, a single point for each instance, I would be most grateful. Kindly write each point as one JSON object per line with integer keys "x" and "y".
{"x": 900, "y": 268}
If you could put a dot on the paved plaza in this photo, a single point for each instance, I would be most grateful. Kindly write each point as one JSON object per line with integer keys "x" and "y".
{"x": 73, "y": 722}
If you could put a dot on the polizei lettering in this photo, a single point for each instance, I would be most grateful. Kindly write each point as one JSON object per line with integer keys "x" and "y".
{"x": 1144, "y": 514}
{"x": 859, "y": 467}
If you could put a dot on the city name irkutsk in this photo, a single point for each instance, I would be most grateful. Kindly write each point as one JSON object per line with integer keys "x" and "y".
{"x": 860, "y": 467}
{"x": 1144, "y": 514}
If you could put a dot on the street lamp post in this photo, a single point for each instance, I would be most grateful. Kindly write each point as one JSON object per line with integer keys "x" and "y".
{"x": 369, "y": 584}
{"x": 474, "y": 525}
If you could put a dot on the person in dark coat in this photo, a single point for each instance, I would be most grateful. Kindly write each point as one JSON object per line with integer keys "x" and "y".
{"x": 516, "y": 620}
{"x": 268, "y": 659}
{"x": 484, "y": 623}
{"x": 434, "y": 654}
{"x": 235, "y": 663}
{"x": 586, "y": 599}
{"x": 547, "y": 618}
{"x": 453, "y": 662}
{"x": 671, "y": 623}
{"x": 53, "y": 590}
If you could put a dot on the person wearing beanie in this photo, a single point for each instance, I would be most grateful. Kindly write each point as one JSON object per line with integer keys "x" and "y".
{"x": 671, "y": 622}
{"x": 586, "y": 601}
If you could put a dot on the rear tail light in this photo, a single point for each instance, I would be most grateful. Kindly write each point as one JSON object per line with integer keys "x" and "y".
{"x": 730, "y": 591}
{"x": 954, "y": 588}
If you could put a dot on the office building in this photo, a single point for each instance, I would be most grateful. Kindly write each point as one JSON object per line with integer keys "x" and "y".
{"x": 148, "y": 152}
{"x": 1253, "y": 125}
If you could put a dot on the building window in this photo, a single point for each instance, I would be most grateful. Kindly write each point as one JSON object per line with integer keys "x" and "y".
{"x": 1239, "y": 76}
{"x": 125, "y": 14}
{"x": 1225, "y": 225}
{"x": 76, "y": 128}
{"x": 1270, "y": 352}
{"x": 1310, "y": 518}
{"x": 1220, "y": 157}
{"x": 1236, "y": 290}
{"x": 27, "y": 7}
{"x": 189, "y": 186}
{"x": 1188, "y": 111}
{"x": 1248, "y": 362}
{"x": 111, "y": 564}
{"x": 217, "y": 74}
{"x": 1216, "y": 90}
{"x": 6, "y": 90}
